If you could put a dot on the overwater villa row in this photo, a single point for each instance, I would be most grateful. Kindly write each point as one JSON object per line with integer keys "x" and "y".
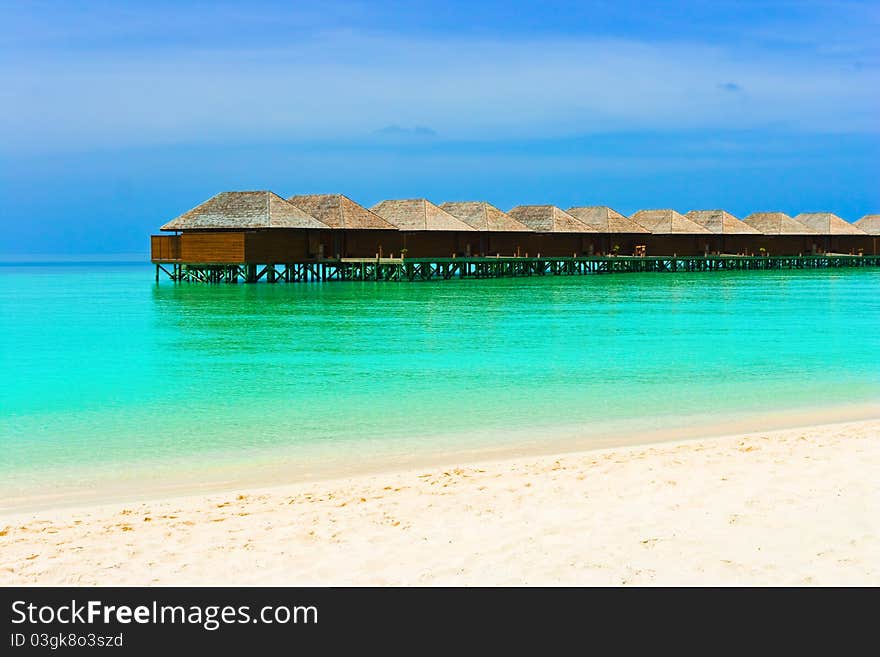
{"x": 261, "y": 228}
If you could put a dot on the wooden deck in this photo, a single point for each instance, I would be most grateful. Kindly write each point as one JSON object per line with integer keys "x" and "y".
{"x": 429, "y": 269}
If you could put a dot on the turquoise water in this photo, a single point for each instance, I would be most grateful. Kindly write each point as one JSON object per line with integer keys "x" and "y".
{"x": 107, "y": 374}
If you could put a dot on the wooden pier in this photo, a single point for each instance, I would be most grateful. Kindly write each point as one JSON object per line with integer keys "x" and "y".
{"x": 430, "y": 269}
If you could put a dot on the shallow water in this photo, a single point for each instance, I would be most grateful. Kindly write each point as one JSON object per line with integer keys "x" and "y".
{"x": 108, "y": 375}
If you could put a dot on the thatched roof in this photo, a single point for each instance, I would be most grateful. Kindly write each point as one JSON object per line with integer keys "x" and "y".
{"x": 235, "y": 210}
{"x": 605, "y": 220}
{"x": 869, "y": 224}
{"x": 721, "y": 222}
{"x": 339, "y": 211}
{"x": 549, "y": 219}
{"x": 418, "y": 214}
{"x": 828, "y": 223}
{"x": 485, "y": 217}
{"x": 665, "y": 222}
{"x": 777, "y": 223}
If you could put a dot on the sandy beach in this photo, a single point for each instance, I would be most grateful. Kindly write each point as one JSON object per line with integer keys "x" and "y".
{"x": 787, "y": 507}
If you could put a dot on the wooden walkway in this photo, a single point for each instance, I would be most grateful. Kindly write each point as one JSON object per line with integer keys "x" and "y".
{"x": 430, "y": 269}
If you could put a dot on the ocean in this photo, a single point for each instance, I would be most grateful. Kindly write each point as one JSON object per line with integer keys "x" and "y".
{"x": 112, "y": 382}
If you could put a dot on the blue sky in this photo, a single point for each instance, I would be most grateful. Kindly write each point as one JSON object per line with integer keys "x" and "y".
{"x": 115, "y": 117}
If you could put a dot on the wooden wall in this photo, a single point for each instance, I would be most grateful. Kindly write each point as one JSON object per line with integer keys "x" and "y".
{"x": 683, "y": 245}
{"x": 164, "y": 247}
{"x": 220, "y": 247}
{"x": 509, "y": 244}
{"x": 604, "y": 244}
{"x": 281, "y": 246}
{"x": 567, "y": 244}
{"x": 742, "y": 244}
{"x": 436, "y": 244}
{"x": 847, "y": 244}
{"x": 785, "y": 244}
{"x": 367, "y": 243}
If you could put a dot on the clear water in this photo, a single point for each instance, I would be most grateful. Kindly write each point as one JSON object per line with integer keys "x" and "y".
{"x": 107, "y": 375}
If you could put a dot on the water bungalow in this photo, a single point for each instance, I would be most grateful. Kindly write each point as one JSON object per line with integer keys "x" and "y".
{"x": 870, "y": 225}
{"x": 242, "y": 227}
{"x": 837, "y": 235}
{"x": 426, "y": 229}
{"x": 620, "y": 235}
{"x": 258, "y": 235}
{"x": 500, "y": 234}
{"x": 671, "y": 231}
{"x": 782, "y": 234}
{"x": 732, "y": 234}
{"x": 355, "y": 229}
{"x": 559, "y": 233}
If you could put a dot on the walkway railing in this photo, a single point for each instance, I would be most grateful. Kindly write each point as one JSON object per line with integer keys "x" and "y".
{"x": 429, "y": 269}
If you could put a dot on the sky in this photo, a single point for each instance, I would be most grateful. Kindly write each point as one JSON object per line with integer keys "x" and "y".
{"x": 116, "y": 116}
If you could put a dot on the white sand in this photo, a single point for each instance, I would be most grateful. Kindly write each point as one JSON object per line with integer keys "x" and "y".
{"x": 796, "y": 506}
